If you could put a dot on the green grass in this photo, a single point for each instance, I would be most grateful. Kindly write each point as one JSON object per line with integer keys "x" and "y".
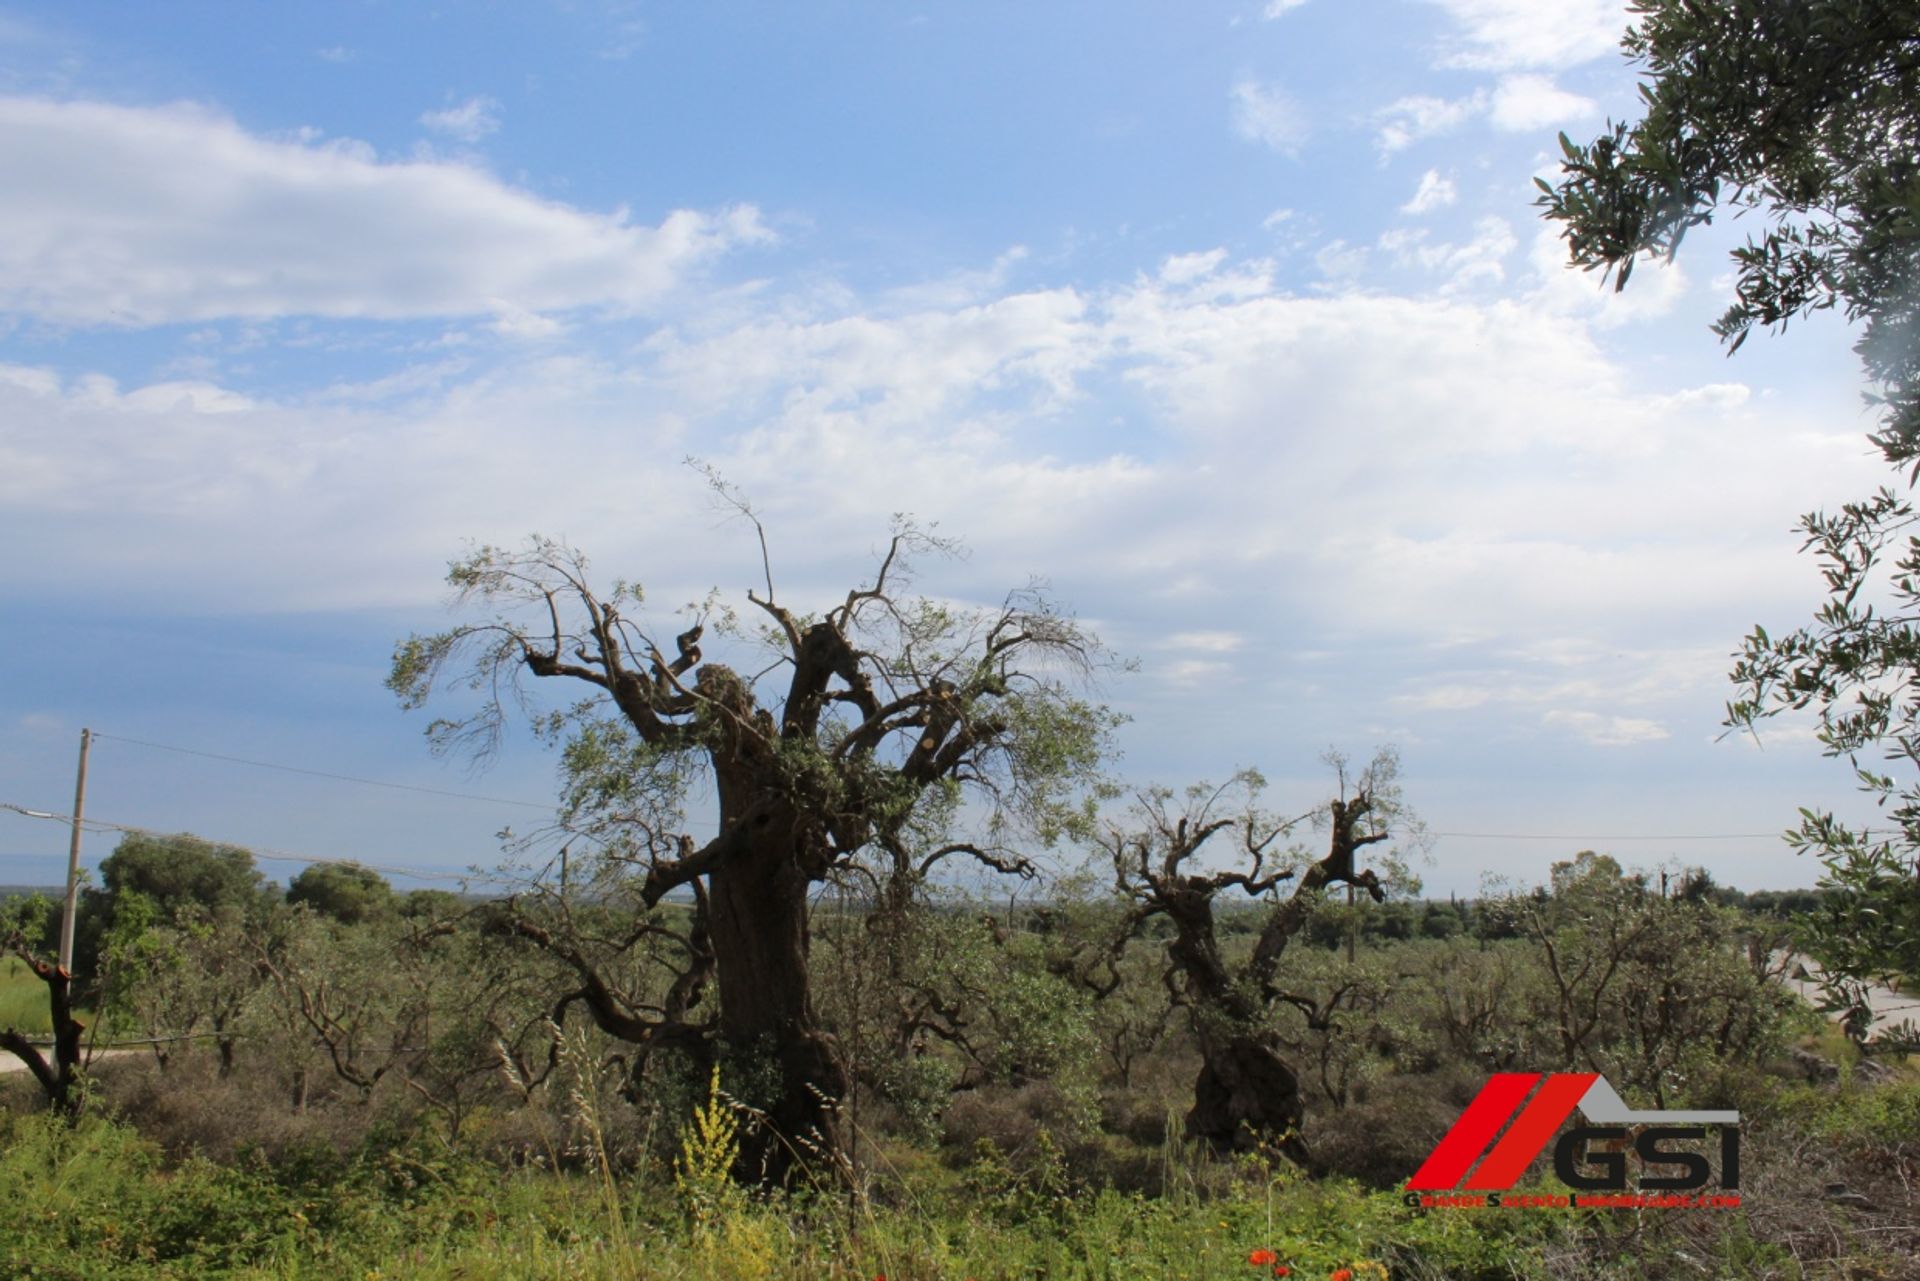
{"x": 23, "y": 999}
{"x": 95, "y": 1203}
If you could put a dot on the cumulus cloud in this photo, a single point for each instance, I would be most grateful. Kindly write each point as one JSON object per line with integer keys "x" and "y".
{"x": 140, "y": 216}
{"x": 1182, "y": 269}
{"x": 1434, "y": 192}
{"x": 1266, "y": 115}
{"x": 1504, "y": 35}
{"x": 1480, "y": 260}
{"x": 468, "y": 121}
{"x": 1517, "y": 104}
{"x": 1523, "y": 103}
{"x": 1405, "y": 121}
{"x": 1280, "y": 8}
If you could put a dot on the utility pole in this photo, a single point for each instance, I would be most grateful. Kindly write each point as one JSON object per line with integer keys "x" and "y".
{"x": 73, "y": 856}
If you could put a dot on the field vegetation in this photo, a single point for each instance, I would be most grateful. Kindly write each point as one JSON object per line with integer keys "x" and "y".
{"x": 373, "y": 1085}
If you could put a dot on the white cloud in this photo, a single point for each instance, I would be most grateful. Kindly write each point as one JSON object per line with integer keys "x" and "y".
{"x": 1207, "y": 642}
{"x": 960, "y": 288}
{"x": 1602, "y": 730}
{"x": 468, "y": 121}
{"x": 144, "y": 216}
{"x": 1184, "y": 269}
{"x": 1339, "y": 261}
{"x": 1430, "y": 492}
{"x": 1524, "y": 103}
{"x": 1719, "y": 397}
{"x": 1446, "y": 698}
{"x": 1517, "y": 104}
{"x": 1435, "y": 192}
{"x": 1503, "y": 35}
{"x": 1478, "y": 261}
{"x": 1658, "y": 285}
{"x": 1266, "y": 115}
{"x": 1187, "y": 673}
{"x": 511, "y": 321}
{"x": 1405, "y": 121}
{"x": 1280, "y": 8}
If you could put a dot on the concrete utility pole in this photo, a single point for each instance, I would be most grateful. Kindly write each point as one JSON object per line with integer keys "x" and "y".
{"x": 73, "y": 856}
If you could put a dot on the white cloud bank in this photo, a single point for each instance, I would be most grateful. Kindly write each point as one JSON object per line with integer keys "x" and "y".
{"x": 141, "y": 216}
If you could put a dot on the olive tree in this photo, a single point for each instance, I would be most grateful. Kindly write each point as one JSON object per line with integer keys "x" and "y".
{"x": 1247, "y": 1093}
{"x": 848, "y": 742}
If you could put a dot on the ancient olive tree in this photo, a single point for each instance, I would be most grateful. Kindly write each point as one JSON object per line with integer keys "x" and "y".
{"x": 856, "y": 744}
{"x": 1803, "y": 115}
{"x": 1247, "y": 1094}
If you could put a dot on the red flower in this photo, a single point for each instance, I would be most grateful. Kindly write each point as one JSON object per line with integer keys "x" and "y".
{"x": 1261, "y": 1258}
{"x": 1282, "y": 1270}
{"x": 1341, "y": 1274}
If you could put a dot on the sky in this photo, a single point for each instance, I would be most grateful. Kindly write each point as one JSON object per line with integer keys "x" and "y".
{"x": 1234, "y": 322}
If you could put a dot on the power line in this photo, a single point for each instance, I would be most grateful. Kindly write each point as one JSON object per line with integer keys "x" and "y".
{"x": 1560, "y": 836}
{"x": 497, "y": 800}
{"x": 1462, "y": 836}
{"x": 317, "y": 773}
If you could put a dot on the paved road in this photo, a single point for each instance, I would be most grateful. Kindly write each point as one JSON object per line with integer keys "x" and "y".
{"x": 1890, "y": 1008}
{"x": 10, "y": 1062}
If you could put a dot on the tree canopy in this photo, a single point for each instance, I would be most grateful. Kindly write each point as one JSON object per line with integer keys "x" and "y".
{"x": 345, "y": 891}
{"x": 171, "y": 873}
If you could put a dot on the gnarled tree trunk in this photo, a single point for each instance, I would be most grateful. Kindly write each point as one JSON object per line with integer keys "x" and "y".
{"x": 1246, "y": 1095}
{"x": 758, "y": 918}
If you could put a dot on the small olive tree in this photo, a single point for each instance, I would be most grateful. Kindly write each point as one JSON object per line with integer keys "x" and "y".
{"x": 1248, "y": 1094}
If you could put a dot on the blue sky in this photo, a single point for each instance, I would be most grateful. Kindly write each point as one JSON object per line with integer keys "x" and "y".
{"x": 1234, "y": 321}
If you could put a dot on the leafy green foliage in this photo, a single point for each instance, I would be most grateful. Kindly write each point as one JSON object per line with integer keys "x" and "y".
{"x": 1803, "y": 113}
{"x": 1858, "y": 669}
{"x": 345, "y": 891}
{"x": 1659, "y": 991}
{"x": 169, "y": 874}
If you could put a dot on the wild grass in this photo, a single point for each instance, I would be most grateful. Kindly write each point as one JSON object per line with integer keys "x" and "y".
{"x": 23, "y": 999}
{"x": 97, "y": 1202}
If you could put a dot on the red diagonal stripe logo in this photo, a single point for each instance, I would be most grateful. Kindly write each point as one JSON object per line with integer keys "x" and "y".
{"x": 1530, "y": 1131}
{"x": 1457, "y": 1150}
